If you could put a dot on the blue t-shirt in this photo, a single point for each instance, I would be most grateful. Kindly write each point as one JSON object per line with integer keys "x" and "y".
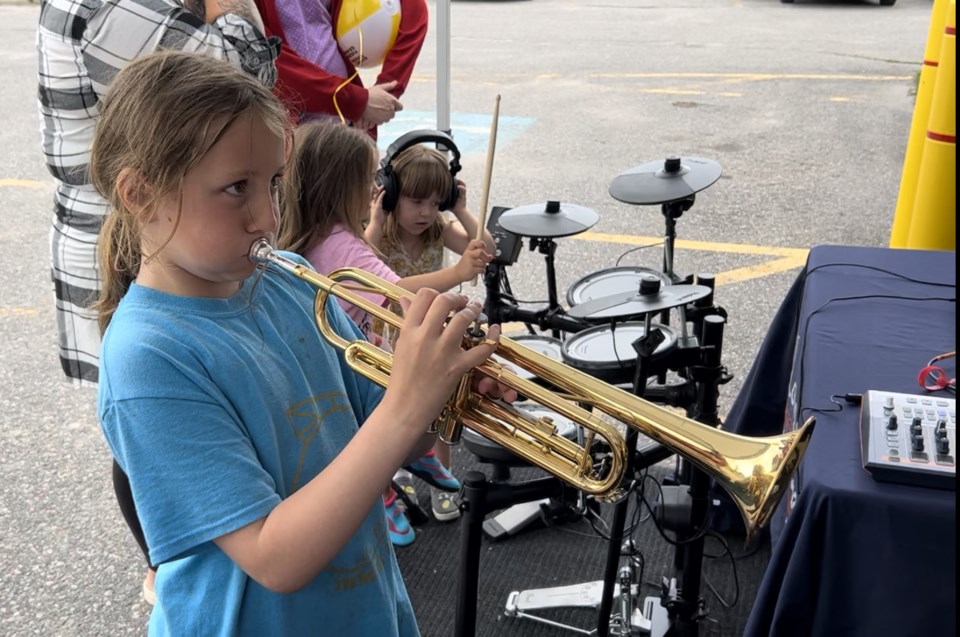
{"x": 218, "y": 409}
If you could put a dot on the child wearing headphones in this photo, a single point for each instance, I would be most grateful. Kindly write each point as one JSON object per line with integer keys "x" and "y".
{"x": 408, "y": 227}
{"x": 327, "y": 201}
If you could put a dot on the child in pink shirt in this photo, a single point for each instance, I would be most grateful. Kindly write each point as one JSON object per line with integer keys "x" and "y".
{"x": 327, "y": 202}
{"x": 342, "y": 248}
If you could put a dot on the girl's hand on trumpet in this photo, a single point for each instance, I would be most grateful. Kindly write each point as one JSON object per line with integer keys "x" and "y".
{"x": 429, "y": 359}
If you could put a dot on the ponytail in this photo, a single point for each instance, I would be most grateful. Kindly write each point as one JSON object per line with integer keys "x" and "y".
{"x": 118, "y": 251}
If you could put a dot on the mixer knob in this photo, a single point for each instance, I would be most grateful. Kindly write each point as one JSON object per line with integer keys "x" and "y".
{"x": 917, "y": 443}
{"x": 916, "y": 427}
{"x": 892, "y": 422}
{"x": 943, "y": 446}
{"x": 888, "y": 403}
{"x": 941, "y": 430}
{"x": 940, "y": 438}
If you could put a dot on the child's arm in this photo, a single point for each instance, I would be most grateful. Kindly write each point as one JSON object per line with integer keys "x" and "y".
{"x": 243, "y": 8}
{"x": 472, "y": 263}
{"x": 286, "y": 549}
{"x": 456, "y": 236}
{"x": 373, "y": 233}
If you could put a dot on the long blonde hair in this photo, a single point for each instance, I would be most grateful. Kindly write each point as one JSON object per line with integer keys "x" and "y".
{"x": 161, "y": 115}
{"x": 329, "y": 182}
{"x": 421, "y": 172}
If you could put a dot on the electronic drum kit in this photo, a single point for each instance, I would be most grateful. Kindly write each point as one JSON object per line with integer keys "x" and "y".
{"x": 611, "y": 311}
{"x": 646, "y": 331}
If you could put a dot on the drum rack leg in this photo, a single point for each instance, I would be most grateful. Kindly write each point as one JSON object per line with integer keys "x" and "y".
{"x": 684, "y": 606}
{"x": 479, "y": 498}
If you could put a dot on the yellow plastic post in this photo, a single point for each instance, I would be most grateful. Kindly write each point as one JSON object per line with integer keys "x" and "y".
{"x": 918, "y": 126}
{"x": 933, "y": 223}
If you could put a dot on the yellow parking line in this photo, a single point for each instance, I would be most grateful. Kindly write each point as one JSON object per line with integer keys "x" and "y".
{"x": 25, "y": 183}
{"x": 790, "y": 258}
{"x": 710, "y": 246}
{"x": 513, "y": 328}
{"x": 757, "y": 77}
{"x": 760, "y": 269}
{"x": 18, "y": 311}
{"x": 749, "y": 77}
{"x": 674, "y": 91}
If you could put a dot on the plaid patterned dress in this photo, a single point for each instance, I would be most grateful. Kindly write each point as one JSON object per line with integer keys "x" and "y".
{"x": 430, "y": 260}
{"x": 81, "y": 46}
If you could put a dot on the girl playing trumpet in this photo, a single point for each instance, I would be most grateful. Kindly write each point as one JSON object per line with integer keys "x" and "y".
{"x": 238, "y": 425}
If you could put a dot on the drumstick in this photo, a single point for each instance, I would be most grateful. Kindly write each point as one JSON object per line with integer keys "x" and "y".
{"x": 485, "y": 193}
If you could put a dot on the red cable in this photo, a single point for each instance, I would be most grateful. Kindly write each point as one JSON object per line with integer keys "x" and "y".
{"x": 936, "y": 376}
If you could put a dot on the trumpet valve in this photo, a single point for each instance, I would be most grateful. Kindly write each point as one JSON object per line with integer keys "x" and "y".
{"x": 450, "y": 432}
{"x": 449, "y": 427}
{"x": 546, "y": 424}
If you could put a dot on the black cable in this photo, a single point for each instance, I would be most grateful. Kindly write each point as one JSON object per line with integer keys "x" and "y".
{"x": 806, "y": 326}
{"x": 698, "y": 533}
{"x": 877, "y": 269}
{"x": 803, "y": 335}
{"x": 753, "y": 551}
{"x": 719, "y": 625}
{"x": 627, "y": 531}
{"x": 733, "y": 566}
{"x": 626, "y": 252}
{"x": 596, "y": 535}
{"x": 506, "y": 292}
{"x": 646, "y": 472}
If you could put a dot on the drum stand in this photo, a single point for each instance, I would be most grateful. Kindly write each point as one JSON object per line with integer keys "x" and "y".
{"x": 672, "y": 210}
{"x": 521, "y": 512}
{"x": 552, "y": 318}
{"x": 478, "y": 497}
{"x": 685, "y": 608}
{"x": 679, "y": 609}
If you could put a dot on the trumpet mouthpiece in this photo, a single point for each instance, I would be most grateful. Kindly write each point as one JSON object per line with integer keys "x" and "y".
{"x": 260, "y": 250}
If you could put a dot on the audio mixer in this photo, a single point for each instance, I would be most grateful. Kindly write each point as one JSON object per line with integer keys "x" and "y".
{"x": 910, "y": 439}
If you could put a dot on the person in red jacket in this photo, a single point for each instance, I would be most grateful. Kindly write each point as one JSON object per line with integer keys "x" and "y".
{"x": 317, "y": 79}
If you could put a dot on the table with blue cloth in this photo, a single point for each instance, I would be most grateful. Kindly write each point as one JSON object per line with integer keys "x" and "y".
{"x": 850, "y": 555}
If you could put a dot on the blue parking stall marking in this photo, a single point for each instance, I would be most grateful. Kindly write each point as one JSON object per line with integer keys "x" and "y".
{"x": 471, "y": 131}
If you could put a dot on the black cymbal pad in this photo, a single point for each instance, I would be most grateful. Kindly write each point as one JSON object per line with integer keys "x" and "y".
{"x": 627, "y": 304}
{"x": 550, "y": 219}
{"x": 664, "y": 180}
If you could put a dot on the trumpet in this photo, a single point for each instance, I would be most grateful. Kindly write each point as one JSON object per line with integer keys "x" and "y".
{"x": 754, "y": 471}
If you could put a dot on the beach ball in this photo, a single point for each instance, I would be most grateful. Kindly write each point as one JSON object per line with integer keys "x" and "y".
{"x": 367, "y": 29}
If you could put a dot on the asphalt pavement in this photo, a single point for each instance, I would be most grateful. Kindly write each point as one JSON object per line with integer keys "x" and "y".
{"x": 806, "y": 107}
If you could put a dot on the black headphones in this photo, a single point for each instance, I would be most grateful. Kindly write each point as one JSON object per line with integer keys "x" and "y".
{"x": 387, "y": 178}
